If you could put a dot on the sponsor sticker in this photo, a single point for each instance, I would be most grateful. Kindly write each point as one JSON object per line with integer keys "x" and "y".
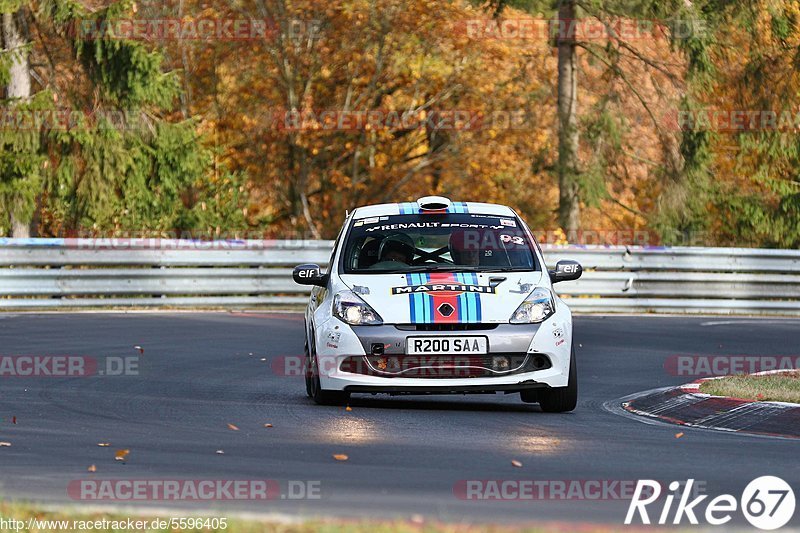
{"x": 444, "y": 287}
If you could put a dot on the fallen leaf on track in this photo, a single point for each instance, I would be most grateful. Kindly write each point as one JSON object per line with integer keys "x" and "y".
{"x": 5, "y": 444}
{"x": 267, "y": 425}
{"x": 104, "y": 444}
{"x": 121, "y": 455}
{"x": 348, "y": 408}
{"x": 232, "y": 427}
{"x": 141, "y": 350}
{"x": 340, "y": 457}
{"x": 516, "y": 463}
{"x": 220, "y": 452}
{"x": 678, "y": 435}
{"x": 13, "y": 419}
{"x": 91, "y": 468}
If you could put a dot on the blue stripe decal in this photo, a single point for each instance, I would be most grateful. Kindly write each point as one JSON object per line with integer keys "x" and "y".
{"x": 411, "y": 306}
{"x": 428, "y": 300}
{"x": 419, "y": 299}
{"x": 414, "y": 301}
{"x": 462, "y": 298}
{"x": 478, "y": 312}
{"x": 470, "y": 309}
{"x": 464, "y": 316}
{"x": 458, "y": 207}
{"x": 473, "y": 299}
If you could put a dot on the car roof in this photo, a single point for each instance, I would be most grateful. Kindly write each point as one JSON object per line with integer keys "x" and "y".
{"x": 408, "y": 208}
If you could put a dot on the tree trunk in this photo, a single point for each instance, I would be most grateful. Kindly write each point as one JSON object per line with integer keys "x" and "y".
{"x": 19, "y": 85}
{"x": 19, "y": 228}
{"x": 569, "y": 213}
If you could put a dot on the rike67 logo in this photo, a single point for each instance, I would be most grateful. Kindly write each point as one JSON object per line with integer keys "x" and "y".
{"x": 767, "y": 503}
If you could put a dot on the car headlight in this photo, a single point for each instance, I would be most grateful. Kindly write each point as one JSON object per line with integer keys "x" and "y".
{"x": 352, "y": 310}
{"x": 538, "y": 306}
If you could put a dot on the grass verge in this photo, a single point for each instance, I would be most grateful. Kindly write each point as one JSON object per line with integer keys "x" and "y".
{"x": 24, "y": 517}
{"x": 781, "y": 387}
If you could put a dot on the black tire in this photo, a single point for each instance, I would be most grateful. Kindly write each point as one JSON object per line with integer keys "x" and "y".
{"x": 530, "y": 395}
{"x": 317, "y": 393}
{"x": 562, "y": 399}
{"x": 307, "y": 372}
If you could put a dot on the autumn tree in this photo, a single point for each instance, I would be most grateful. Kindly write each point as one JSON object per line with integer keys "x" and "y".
{"x": 118, "y": 161}
{"x": 618, "y": 77}
{"x": 746, "y": 164}
{"x": 412, "y": 64}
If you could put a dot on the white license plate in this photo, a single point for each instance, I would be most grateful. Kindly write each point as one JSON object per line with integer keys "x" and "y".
{"x": 447, "y": 345}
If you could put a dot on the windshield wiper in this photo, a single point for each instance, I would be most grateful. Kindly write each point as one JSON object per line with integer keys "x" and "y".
{"x": 441, "y": 268}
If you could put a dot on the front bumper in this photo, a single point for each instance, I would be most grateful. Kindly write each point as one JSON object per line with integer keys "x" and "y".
{"x": 338, "y": 343}
{"x": 447, "y": 389}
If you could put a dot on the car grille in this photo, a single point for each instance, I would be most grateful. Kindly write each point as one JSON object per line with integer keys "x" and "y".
{"x": 445, "y": 366}
{"x": 445, "y": 327}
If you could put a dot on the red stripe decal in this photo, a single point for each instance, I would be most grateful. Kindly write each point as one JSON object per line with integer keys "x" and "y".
{"x": 442, "y": 297}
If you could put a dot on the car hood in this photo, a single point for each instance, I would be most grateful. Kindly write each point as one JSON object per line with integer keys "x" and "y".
{"x": 444, "y": 297}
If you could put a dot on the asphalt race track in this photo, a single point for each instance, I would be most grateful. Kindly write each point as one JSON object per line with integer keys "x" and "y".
{"x": 406, "y": 454}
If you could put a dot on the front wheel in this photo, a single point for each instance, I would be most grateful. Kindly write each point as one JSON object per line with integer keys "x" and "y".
{"x": 314, "y": 387}
{"x": 307, "y": 373}
{"x": 558, "y": 399}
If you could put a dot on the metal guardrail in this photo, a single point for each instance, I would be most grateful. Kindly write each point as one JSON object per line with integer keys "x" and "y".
{"x": 70, "y": 273}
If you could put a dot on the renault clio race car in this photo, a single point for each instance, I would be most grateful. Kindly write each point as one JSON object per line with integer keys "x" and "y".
{"x": 435, "y": 296}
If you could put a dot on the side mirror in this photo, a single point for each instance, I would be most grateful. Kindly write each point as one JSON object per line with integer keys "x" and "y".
{"x": 566, "y": 271}
{"x": 309, "y": 275}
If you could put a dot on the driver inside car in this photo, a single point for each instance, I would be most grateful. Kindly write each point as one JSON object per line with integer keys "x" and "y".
{"x": 395, "y": 250}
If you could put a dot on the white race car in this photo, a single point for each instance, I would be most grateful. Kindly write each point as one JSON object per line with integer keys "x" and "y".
{"x": 433, "y": 297}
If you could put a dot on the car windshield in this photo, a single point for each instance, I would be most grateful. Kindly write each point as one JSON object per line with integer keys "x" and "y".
{"x": 426, "y": 242}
